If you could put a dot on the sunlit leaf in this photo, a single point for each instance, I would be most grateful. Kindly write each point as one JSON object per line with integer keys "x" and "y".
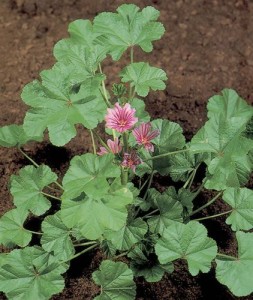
{"x": 56, "y": 237}
{"x": 27, "y": 186}
{"x": 14, "y": 135}
{"x": 128, "y": 27}
{"x": 93, "y": 216}
{"x": 144, "y": 77}
{"x": 237, "y": 274}
{"x": 88, "y": 173}
{"x": 116, "y": 281}
{"x": 187, "y": 241}
{"x": 30, "y": 273}
{"x": 241, "y": 200}
{"x": 12, "y": 230}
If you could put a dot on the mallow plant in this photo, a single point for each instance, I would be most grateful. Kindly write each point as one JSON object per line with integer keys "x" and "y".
{"x": 106, "y": 199}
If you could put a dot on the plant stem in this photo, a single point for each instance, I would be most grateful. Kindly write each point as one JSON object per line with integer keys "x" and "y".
{"x": 166, "y": 154}
{"x": 214, "y": 216}
{"x": 124, "y": 176}
{"x": 84, "y": 251}
{"x": 36, "y": 165}
{"x": 121, "y": 255}
{"x": 51, "y": 196}
{"x": 191, "y": 177}
{"x": 107, "y": 102}
{"x": 228, "y": 257}
{"x": 149, "y": 184}
{"x": 125, "y": 141}
{"x": 205, "y": 205}
{"x": 93, "y": 142}
{"x": 151, "y": 213}
{"x": 102, "y": 142}
{"x": 145, "y": 182}
{"x": 28, "y": 157}
{"x": 85, "y": 244}
{"x": 34, "y": 232}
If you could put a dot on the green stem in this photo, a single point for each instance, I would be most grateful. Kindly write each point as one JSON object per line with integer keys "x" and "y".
{"x": 149, "y": 184}
{"x": 121, "y": 255}
{"x": 85, "y": 244}
{"x": 51, "y": 196}
{"x": 199, "y": 188}
{"x": 125, "y": 141}
{"x": 166, "y": 154}
{"x": 28, "y": 157}
{"x": 36, "y": 165}
{"x": 107, "y": 102}
{"x": 145, "y": 182}
{"x": 93, "y": 142}
{"x": 34, "y": 232}
{"x": 207, "y": 204}
{"x": 102, "y": 142}
{"x": 124, "y": 176}
{"x": 228, "y": 257}
{"x": 214, "y": 216}
{"x": 84, "y": 251}
{"x": 151, "y": 213}
{"x": 191, "y": 177}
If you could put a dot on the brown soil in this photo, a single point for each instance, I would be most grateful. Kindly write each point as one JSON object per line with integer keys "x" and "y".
{"x": 208, "y": 46}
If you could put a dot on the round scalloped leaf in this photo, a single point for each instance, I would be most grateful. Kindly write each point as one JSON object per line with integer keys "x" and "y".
{"x": 88, "y": 173}
{"x": 56, "y": 238}
{"x": 241, "y": 200}
{"x": 187, "y": 241}
{"x": 131, "y": 233}
{"x": 144, "y": 77}
{"x": 93, "y": 216}
{"x": 31, "y": 273}
{"x": 116, "y": 281}
{"x": 127, "y": 28}
{"x": 62, "y": 100}
{"x": 27, "y": 186}
{"x": 14, "y": 135}
{"x": 237, "y": 274}
{"x": 12, "y": 230}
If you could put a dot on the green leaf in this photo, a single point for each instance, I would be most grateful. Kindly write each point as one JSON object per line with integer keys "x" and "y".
{"x": 230, "y": 165}
{"x": 187, "y": 241}
{"x": 170, "y": 210}
{"x": 12, "y": 230}
{"x": 14, "y": 135}
{"x": 116, "y": 281}
{"x": 56, "y": 238}
{"x": 88, "y": 173}
{"x": 58, "y": 107}
{"x": 131, "y": 233}
{"x": 30, "y": 273}
{"x": 141, "y": 114}
{"x": 241, "y": 200}
{"x": 93, "y": 216}
{"x": 27, "y": 186}
{"x": 237, "y": 274}
{"x": 144, "y": 77}
{"x": 127, "y": 28}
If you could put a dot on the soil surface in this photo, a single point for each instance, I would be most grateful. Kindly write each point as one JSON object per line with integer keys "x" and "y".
{"x": 208, "y": 46}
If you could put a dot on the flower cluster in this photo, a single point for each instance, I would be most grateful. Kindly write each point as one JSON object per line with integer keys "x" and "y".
{"x": 122, "y": 119}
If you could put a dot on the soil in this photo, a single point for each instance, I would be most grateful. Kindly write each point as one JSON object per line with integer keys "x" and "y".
{"x": 208, "y": 46}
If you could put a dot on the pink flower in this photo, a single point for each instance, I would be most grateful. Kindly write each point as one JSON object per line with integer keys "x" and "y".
{"x": 120, "y": 118}
{"x": 114, "y": 146}
{"x": 143, "y": 135}
{"x": 131, "y": 160}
